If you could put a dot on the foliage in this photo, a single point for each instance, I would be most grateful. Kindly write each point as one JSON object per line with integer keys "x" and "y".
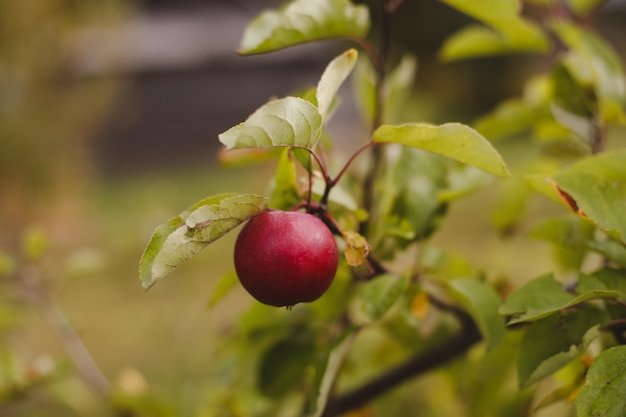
{"x": 402, "y": 304}
{"x": 414, "y": 174}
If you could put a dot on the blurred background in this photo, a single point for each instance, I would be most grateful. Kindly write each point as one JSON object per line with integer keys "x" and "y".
{"x": 109, "y": 116}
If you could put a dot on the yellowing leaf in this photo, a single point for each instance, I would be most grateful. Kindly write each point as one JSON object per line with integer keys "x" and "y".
{"x": 357, "y": 249}
{"x": 419, "y": 305}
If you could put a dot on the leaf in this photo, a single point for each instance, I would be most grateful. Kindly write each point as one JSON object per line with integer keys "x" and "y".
{"x": 603, "y": 393}
{"x": 357, "y": 249}
{"x": 549, "y": 344}
{"x": 454, "y": 140}
{"x": 507, "y": 31}
{"x": 182, "y": 237}
{"x": 284, "y": 190}
{"x": 477, "y": 41}
{"x": 598, "y": 186}
{"x": 593, "y": 63}
{"x": 303, "y": 21}
{"x": 570, "y": 237}
{"x": 283, "y": 366}
{"x": 487, "y": 10}
{"x": 223, "y": 287}
{"x": 327, "y": 370}
{"x": 333, "y": 77}
{"x": 613, "y": 279}
{"x": 408, "y": 204}
{"x": 290, "y": 121}
{"x": 545, "y": 296}
{"x": 583, "y": 7}
{"x": 518, "y": 115}
{"x": 380, "y": 294}
{"x": 399, "y": 83}
{"x": 482, "y": 302}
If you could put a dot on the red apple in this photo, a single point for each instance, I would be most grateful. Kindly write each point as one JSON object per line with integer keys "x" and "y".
{"x": 283, "y": 258}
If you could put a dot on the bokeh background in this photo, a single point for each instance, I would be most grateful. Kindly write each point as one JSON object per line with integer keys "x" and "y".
{"x": 109, "y": 116}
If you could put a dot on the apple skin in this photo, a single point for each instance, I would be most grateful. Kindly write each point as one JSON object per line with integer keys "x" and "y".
{"x": 285, "y": 257}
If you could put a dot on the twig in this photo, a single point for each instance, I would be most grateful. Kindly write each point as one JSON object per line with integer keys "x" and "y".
{"x": 74, "y": 347}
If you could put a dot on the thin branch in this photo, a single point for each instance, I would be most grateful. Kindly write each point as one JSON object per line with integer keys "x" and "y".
{"x": 61, "y": 327}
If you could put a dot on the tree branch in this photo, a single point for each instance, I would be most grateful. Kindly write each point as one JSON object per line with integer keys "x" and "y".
{"x": 414, "y": 366}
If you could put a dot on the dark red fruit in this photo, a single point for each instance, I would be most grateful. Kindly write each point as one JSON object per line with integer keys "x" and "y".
{"x": 284, "y": 258}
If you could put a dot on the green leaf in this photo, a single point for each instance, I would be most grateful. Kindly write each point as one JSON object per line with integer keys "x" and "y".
{"x": 477, "y": 41}
{"x": 284, "y": 190}
{"x": 603, "y": 393}
{"x": 487, "y": 10}
{"x": 223, "y": 287}
{"x": 598, "y": 186}
{"x": 333, "y": 77}
{"x": 549, "y": 344}
{"x": 507, "y": 31}
{"x": 518, "y": 115}
{"x": 182, "y": 237}
{"x": 593, "y": 63}
{"x": 399, "y": 83}
{"x": 545, "y": 296}
{"x": 613, "y": 279}
{"x": 611, "y": 249}
{"x": 327, "y": 371}
{"x": 570, "y": 237}
{"x": 482, "y": 302}
{"x": 583, "y": 7}
{"x": 378, "y": 295}
{"x": 408, "y": 204}
{"x": 303, "y": 21}
{"x": 290, "y": 121}
{"x": 454, "y": 140}
{"x": 284, "y": 365}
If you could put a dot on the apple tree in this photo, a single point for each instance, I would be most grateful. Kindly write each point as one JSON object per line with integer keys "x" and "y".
{"x": 400, "y": 305}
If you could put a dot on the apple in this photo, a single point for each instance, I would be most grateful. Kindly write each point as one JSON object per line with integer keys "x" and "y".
{"x": 285, "y": 257}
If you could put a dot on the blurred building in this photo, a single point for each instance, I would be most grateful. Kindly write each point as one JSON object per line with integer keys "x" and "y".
{"x": 184, "y": 82}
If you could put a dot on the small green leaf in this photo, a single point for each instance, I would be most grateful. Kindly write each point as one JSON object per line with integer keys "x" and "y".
{"x": 570, "y": 237}
{"x": 593, "y": 63}
{"x": 507, "y": 31}
{"x": 333, "y": 77}
{"x": 182, "y": 237}
{"x": 7, "y": 264}
{"x": 603, "y": 393}
{"x": 223, "y": 287}
{"x": 487, "y": 10}
{"x": 545, "y": 296}
{"x": 613, "y": 279}
{"x": 583, "y": 7}
{"x": 380, "y": 294}
{"x": 327, "y": 370}
{"x": 290, "y": 121}
{"x": 482, "y": 302}
{"x": 454, "y": 140}
{"x": 408, "y": 203}
{"x": 284, "y": 190}
{"x": 549, "y": 344}
{"x": 303, "y": 21}
{"x": 476, "y": 41}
